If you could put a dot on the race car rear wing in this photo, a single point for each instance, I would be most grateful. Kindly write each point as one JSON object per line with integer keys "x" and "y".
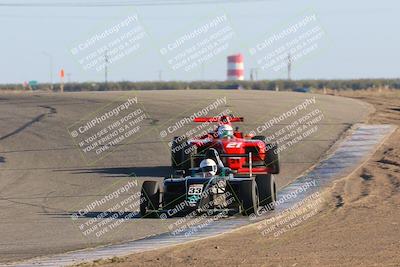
{"x": 223, "y": 119}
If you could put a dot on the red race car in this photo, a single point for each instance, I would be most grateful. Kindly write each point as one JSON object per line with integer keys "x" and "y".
{"x": 232, "y": 145}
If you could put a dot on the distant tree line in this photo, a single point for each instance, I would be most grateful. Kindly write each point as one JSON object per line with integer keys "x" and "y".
{"x": 282, "y": 85}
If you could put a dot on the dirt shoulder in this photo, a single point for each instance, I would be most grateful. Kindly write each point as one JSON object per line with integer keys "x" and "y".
{"x": 358, "y": 223}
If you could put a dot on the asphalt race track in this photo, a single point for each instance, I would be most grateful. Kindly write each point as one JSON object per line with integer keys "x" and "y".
{"x": 44, "y": 178}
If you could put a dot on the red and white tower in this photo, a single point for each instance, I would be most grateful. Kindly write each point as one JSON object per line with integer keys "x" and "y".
{"x": 235, "y": 68}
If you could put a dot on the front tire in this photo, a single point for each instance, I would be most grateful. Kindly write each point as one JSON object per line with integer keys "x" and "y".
{"x": 249, "y": 197}
{"x": 266, "y": 189}
{"x": 149, "y": 197}
{"x": 272, "y": 156}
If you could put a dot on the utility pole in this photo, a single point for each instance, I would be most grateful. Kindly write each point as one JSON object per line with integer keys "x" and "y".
{"x": 106, "y": 68}
{"x": 253, "y": 74}
{"x": 289, "y": 66}
{"x": 160, "y": 75}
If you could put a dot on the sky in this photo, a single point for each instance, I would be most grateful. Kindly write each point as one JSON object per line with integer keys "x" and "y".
{"x": 325, "y": 40}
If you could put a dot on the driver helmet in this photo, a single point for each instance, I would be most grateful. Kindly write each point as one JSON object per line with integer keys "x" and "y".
{"x": 225, "y": 131}
{"x": 208, "y": 166}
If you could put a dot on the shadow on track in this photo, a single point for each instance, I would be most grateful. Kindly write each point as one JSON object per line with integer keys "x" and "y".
{"x": 97, "y": 214}
{"x": 156, "y": 171}
{"x": 36, "y": 119}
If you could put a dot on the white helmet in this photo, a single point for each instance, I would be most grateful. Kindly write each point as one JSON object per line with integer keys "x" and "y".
{"x": 225, "y": 131}
{"x": 208, "y": 166}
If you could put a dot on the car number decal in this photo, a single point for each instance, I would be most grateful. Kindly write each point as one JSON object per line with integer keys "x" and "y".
{"x": 195, "y": 189}
{"x": 234, "y": 145}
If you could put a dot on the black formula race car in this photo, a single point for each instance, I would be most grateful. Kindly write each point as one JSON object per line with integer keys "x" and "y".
{"x": 211, "y": 187}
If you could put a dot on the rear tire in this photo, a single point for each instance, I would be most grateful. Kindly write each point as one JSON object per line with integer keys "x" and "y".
{"x": 150, "y": 197}
{"x": 181, "y": 153}
{"x": 272, "y": 158}
{"x": 175, "y": 156}
{"x": 249, "y": 197}
{"x": 266, "y": 189}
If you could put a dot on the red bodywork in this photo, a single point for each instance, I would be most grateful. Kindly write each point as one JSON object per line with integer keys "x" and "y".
{"x": 239, "y": 144}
